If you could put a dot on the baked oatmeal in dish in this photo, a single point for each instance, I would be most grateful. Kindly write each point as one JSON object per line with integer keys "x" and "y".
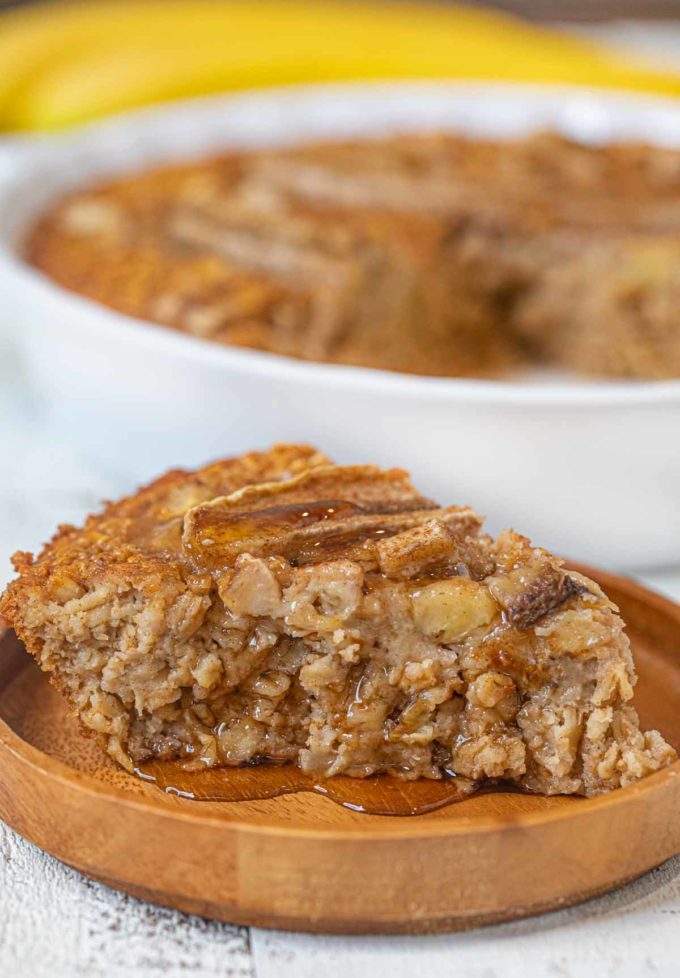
{"x": 431, "y": 254}
{"x": 277, "y": 607}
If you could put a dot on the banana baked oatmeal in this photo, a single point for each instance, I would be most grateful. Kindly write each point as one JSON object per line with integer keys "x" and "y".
{"x": 277, "y": 607}
{"x": 430, "y": 254}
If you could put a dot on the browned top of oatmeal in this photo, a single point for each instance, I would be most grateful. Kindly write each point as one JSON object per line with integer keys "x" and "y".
{"x": 294, "y": 508}
{"x": 430, "y": 254}
{"x": 290, "y": 501}
{"x": 143, "y": 531}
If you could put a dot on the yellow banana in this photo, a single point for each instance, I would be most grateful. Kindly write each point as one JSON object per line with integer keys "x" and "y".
{"x": 65, "y": 63}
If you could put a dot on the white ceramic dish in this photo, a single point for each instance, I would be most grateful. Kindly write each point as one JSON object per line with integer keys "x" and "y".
{"x": 590, "y": 469}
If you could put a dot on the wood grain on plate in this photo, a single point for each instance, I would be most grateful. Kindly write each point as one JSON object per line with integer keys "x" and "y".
{"x": 302, "y": 862}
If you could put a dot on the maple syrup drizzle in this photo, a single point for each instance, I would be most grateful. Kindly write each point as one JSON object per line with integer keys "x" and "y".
{"x": 215, "y": 526}
{"x": 377, "y": 795}
{"x": 216, "y": 531}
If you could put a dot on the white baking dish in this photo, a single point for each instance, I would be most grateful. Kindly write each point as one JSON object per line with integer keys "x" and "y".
{"x": 590, "y": 469}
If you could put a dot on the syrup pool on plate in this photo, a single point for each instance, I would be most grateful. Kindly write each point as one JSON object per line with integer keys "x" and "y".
{"x": 378, "y": 795}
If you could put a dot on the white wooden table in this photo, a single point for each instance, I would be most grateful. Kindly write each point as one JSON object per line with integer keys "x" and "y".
{"x": 57, "y": 924}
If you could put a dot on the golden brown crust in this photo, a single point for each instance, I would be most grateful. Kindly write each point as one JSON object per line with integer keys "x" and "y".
{"x": 429, "y": 254}
{"x": 139, "y": 537}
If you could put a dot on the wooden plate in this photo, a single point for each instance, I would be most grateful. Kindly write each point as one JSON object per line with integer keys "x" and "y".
{"x": 302, "y": 862}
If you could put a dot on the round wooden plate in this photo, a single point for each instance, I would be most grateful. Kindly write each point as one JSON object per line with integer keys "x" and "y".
{"x": 301, "y": 862}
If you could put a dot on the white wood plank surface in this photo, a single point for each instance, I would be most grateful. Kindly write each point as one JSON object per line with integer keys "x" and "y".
{"x": 55, "y": 923}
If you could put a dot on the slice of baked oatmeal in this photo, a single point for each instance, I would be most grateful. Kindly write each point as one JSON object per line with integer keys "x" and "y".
{"x": 280, "y": 607}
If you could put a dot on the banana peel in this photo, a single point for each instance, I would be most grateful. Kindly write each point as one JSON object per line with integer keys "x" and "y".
{"x": 65, "y": 63}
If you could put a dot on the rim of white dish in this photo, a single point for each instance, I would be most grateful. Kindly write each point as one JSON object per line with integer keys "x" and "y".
{"x": 36, "y": 151}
